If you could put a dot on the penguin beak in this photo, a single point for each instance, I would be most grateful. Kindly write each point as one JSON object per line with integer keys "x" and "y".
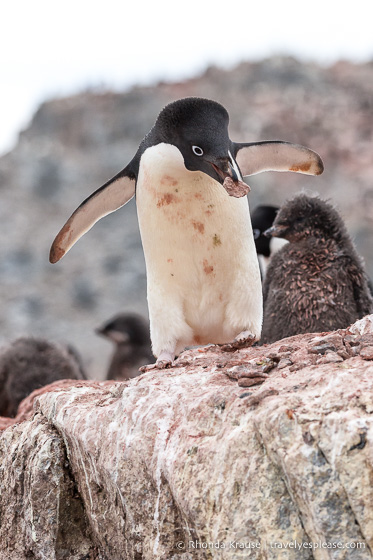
{"x": 276, "y": 231}
{"x": 226, "y": 167}
{"x": 230, "y": 175}
{"x": 116, "y": 336}
{"x": 235, "y": 172}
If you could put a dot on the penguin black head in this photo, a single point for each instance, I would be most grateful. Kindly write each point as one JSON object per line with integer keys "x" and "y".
{"x": 126, "y": 328}
{"x": 305, "y": 216}
{"x": 262, "y": 219}
{"x": 199, "y": 129}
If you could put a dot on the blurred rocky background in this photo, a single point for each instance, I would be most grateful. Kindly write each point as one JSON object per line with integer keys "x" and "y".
{"x": 73, "y": 145}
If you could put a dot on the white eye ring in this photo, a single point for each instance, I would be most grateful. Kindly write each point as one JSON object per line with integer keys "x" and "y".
{"x": 197, "y": 150}
{"x": 256, "y": 233}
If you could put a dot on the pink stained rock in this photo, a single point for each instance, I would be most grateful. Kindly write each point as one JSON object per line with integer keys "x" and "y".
{"x": 156, "y": 466}
{"x": 236, "y": 188}
{"x": 26, "y": 408}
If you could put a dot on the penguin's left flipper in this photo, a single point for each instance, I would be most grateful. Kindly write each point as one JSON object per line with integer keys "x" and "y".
{"x": 275, "y": 155}
{"x": 108, "y": 198}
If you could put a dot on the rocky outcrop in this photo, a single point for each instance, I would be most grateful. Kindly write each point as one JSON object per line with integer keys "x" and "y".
{"x": 261, "y": 453}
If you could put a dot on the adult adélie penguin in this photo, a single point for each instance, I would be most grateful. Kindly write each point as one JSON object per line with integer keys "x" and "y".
{"x": 203, "y": 280}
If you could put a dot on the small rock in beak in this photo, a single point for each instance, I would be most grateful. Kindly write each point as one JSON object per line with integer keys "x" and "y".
{"x": 236, "y": 188}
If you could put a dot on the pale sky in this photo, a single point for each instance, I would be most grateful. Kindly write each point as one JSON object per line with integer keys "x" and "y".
{"x": 51, "y": 49}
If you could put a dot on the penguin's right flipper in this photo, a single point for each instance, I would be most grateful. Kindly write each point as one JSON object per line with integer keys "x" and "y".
{"x": 108, "y": 198}
{"x": 275, "y": 155}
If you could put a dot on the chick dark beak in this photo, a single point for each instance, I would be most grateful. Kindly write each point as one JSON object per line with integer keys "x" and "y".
{"x": 116, "y": 336}
{"x": 275, "y": 231}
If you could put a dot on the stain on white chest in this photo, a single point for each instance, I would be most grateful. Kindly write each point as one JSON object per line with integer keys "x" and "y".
{"x": 199, "y": 250}
{"x": 169, "y": 191}
{"x": 185, "y": 207}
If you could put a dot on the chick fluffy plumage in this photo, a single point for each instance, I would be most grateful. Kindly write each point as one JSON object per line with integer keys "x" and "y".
{"x": 317, "y": 281}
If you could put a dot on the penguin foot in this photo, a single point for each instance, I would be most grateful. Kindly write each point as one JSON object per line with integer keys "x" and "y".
{"x": 164, "y": 361}
{"x": 243, "y": 340}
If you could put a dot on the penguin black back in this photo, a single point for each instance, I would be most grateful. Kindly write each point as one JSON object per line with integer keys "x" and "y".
{"x": 317, "y": 281}
{"x": 130, "y": 334}
{"x": 262, "y": 219}
{"x": 31, "y": 363}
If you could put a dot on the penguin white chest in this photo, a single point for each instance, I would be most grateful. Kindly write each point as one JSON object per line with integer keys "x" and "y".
{"x": 200, "y": 256}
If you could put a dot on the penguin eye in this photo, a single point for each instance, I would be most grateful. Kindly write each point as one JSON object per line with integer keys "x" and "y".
{"x": 256, "y": 233}
{"x": 197, "y": 150}
{"x": 299, "y": 219}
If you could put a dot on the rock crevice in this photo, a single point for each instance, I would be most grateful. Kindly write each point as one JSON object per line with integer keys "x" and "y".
{"x": 42, "y": 515}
